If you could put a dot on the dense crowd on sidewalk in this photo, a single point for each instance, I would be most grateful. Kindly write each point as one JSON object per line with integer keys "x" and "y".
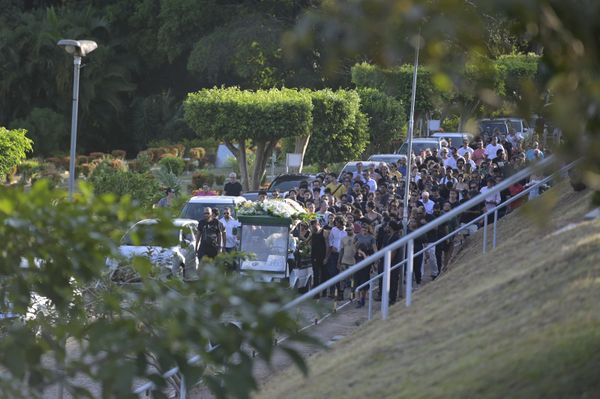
{"x": 362, "y": 212}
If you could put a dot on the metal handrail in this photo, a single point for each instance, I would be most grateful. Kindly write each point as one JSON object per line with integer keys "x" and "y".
{"x": 458, "y": 230}
{"x": 409, "y": 238}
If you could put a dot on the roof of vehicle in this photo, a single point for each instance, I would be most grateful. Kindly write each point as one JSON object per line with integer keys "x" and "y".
{"x": 451, "y": 134}
{"x": 216, "y": 199}
{"x": 290, "y": 176}
{"x": 425, "y": 139}
{"x": 365, "y": 163}
{"x": 383, "y": 156}
{"x": 176, "y": 222}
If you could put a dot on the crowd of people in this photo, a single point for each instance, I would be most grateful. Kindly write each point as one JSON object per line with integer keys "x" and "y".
{"x": 362, "y": 211}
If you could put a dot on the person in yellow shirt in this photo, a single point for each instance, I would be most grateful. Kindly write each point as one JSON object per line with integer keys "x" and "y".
{"x": 394, "y": 172}
{"x": 336, "y": 188}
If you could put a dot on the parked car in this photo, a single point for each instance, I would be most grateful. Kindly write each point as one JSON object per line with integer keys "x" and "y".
{"x": 283, "y": 183}
{"x": 350, "y": 167}
{"x": 487, "y": 127}
{"x": 171, "y": 260}
{"x": 194, "y": 208}
{"x": 387, "y": 158}
{"x": 420, "y": 144}
{"x": 454, "y": 139}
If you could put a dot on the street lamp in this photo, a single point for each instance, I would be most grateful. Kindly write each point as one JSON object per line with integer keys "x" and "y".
{"x": 78, "y": 49}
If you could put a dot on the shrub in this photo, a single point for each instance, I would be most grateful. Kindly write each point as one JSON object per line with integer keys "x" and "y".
{"x": 173, "y": 165}
{"x": 219, "y": 180}
{"x": 201, "y": 178}
{"x": 14, "y": 145}
{"x": 81, "y": 159}
{"x": 85, "y": 169}
{"x": 197, "y": 153}
{"x": 97, "y": 155}
{"x": 142, "y": 187}
{"x": 29, "y": 168}
{"x": 57, "y": 162}
{"x": 119, "y": 154}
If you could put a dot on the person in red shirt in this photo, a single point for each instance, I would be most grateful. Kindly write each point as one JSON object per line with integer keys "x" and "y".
{"x": 479, "y": 154}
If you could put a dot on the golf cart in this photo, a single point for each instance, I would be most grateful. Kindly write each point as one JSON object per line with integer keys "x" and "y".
{"x": 276, "y": 259}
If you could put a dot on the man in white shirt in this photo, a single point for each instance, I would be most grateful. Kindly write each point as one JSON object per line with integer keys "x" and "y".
{"x": 491, "y": 200}
{"x": 231, "y": 225}
{"x": 493, "y": 147}
{"x": 448, "y": 161}
{"x": 334, "y": 246}
{"x": 358, "y": 172}
{"x": 370, "y": 181}
{"x": 465, "y": 149}
{"x": 427, "y": 203}
{"x": 515, "y": 138}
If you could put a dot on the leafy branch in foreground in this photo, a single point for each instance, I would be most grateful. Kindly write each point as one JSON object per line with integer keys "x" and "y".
{"x": 88, "y": 328}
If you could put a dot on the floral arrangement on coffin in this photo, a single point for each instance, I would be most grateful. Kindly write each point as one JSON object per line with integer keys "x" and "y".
{"x": 283, "y": 208}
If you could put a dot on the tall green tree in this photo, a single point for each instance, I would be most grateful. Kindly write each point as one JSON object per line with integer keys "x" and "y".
{"x": 386, "y": 118}
{"x": 242, "y": 117}
{"x": 339, "y": 128}
{"x": 14, "y": 146}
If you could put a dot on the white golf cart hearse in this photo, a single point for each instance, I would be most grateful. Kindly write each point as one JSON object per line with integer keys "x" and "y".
{"x": 266, "y": 235}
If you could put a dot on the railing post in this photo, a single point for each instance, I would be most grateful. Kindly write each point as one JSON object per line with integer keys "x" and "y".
{"x": 485, "y": 226}
{"x": 410, "y": 251}
{"x": 385, "y": 294}
{"x": 495, "y": 222}
{"x": 182, "y": 388}
{"x": 370, "y": 311}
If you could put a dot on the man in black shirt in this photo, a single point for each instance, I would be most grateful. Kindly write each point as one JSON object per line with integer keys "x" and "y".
{"x": 232, "y": 187}
{"x": 211, "y": 236}
{"x": 318, "y": 250}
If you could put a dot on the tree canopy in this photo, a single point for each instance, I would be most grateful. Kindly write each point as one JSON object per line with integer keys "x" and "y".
{"x": 261, "y": 117}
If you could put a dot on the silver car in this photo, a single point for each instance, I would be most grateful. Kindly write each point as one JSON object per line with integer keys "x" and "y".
{"x": 170, "y": 261}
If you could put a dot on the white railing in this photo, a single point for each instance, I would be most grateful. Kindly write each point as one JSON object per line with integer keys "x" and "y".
{"x": 408, "y": 243}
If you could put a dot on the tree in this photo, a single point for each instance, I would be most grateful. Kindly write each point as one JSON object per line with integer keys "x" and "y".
{"x": 14, "y": 146}
{"x": 80, "y": 323}
{"x": 397, "y": 82}
{"x": 386, "y": 118}
{"x": 48, "y": 130}
{"x": 241, "y": 118}
{"x": 339, "y": 128}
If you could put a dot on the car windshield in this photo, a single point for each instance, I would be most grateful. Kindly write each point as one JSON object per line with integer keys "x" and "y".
{"x": 286, "y": 185}
{"x": 418, "y": 147}
{"x": 268, "y": 244}
{"x": 195, "y": 211}
{"x": 516, "y": 125}
{"x": 491, "y": 126}
{"x": 384, "y": 158}
{"x": 146, "y": 235}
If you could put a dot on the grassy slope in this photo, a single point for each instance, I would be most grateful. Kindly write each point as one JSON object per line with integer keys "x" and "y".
{"x": 523, "y": 322}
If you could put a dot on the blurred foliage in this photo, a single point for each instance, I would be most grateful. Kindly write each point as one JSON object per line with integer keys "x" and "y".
{"x": 14, "y": 146}
{"x": 454, "y": 33}
{"x": 117, "y": 335}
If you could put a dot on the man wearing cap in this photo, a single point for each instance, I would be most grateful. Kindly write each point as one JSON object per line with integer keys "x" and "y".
{"x": 232, "y": 187}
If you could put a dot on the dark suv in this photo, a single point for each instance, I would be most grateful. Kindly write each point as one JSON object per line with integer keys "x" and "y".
{"x": 283, "y": 183}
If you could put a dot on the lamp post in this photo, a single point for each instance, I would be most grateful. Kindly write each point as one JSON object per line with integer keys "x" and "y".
{"x": 78, "y": 49}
